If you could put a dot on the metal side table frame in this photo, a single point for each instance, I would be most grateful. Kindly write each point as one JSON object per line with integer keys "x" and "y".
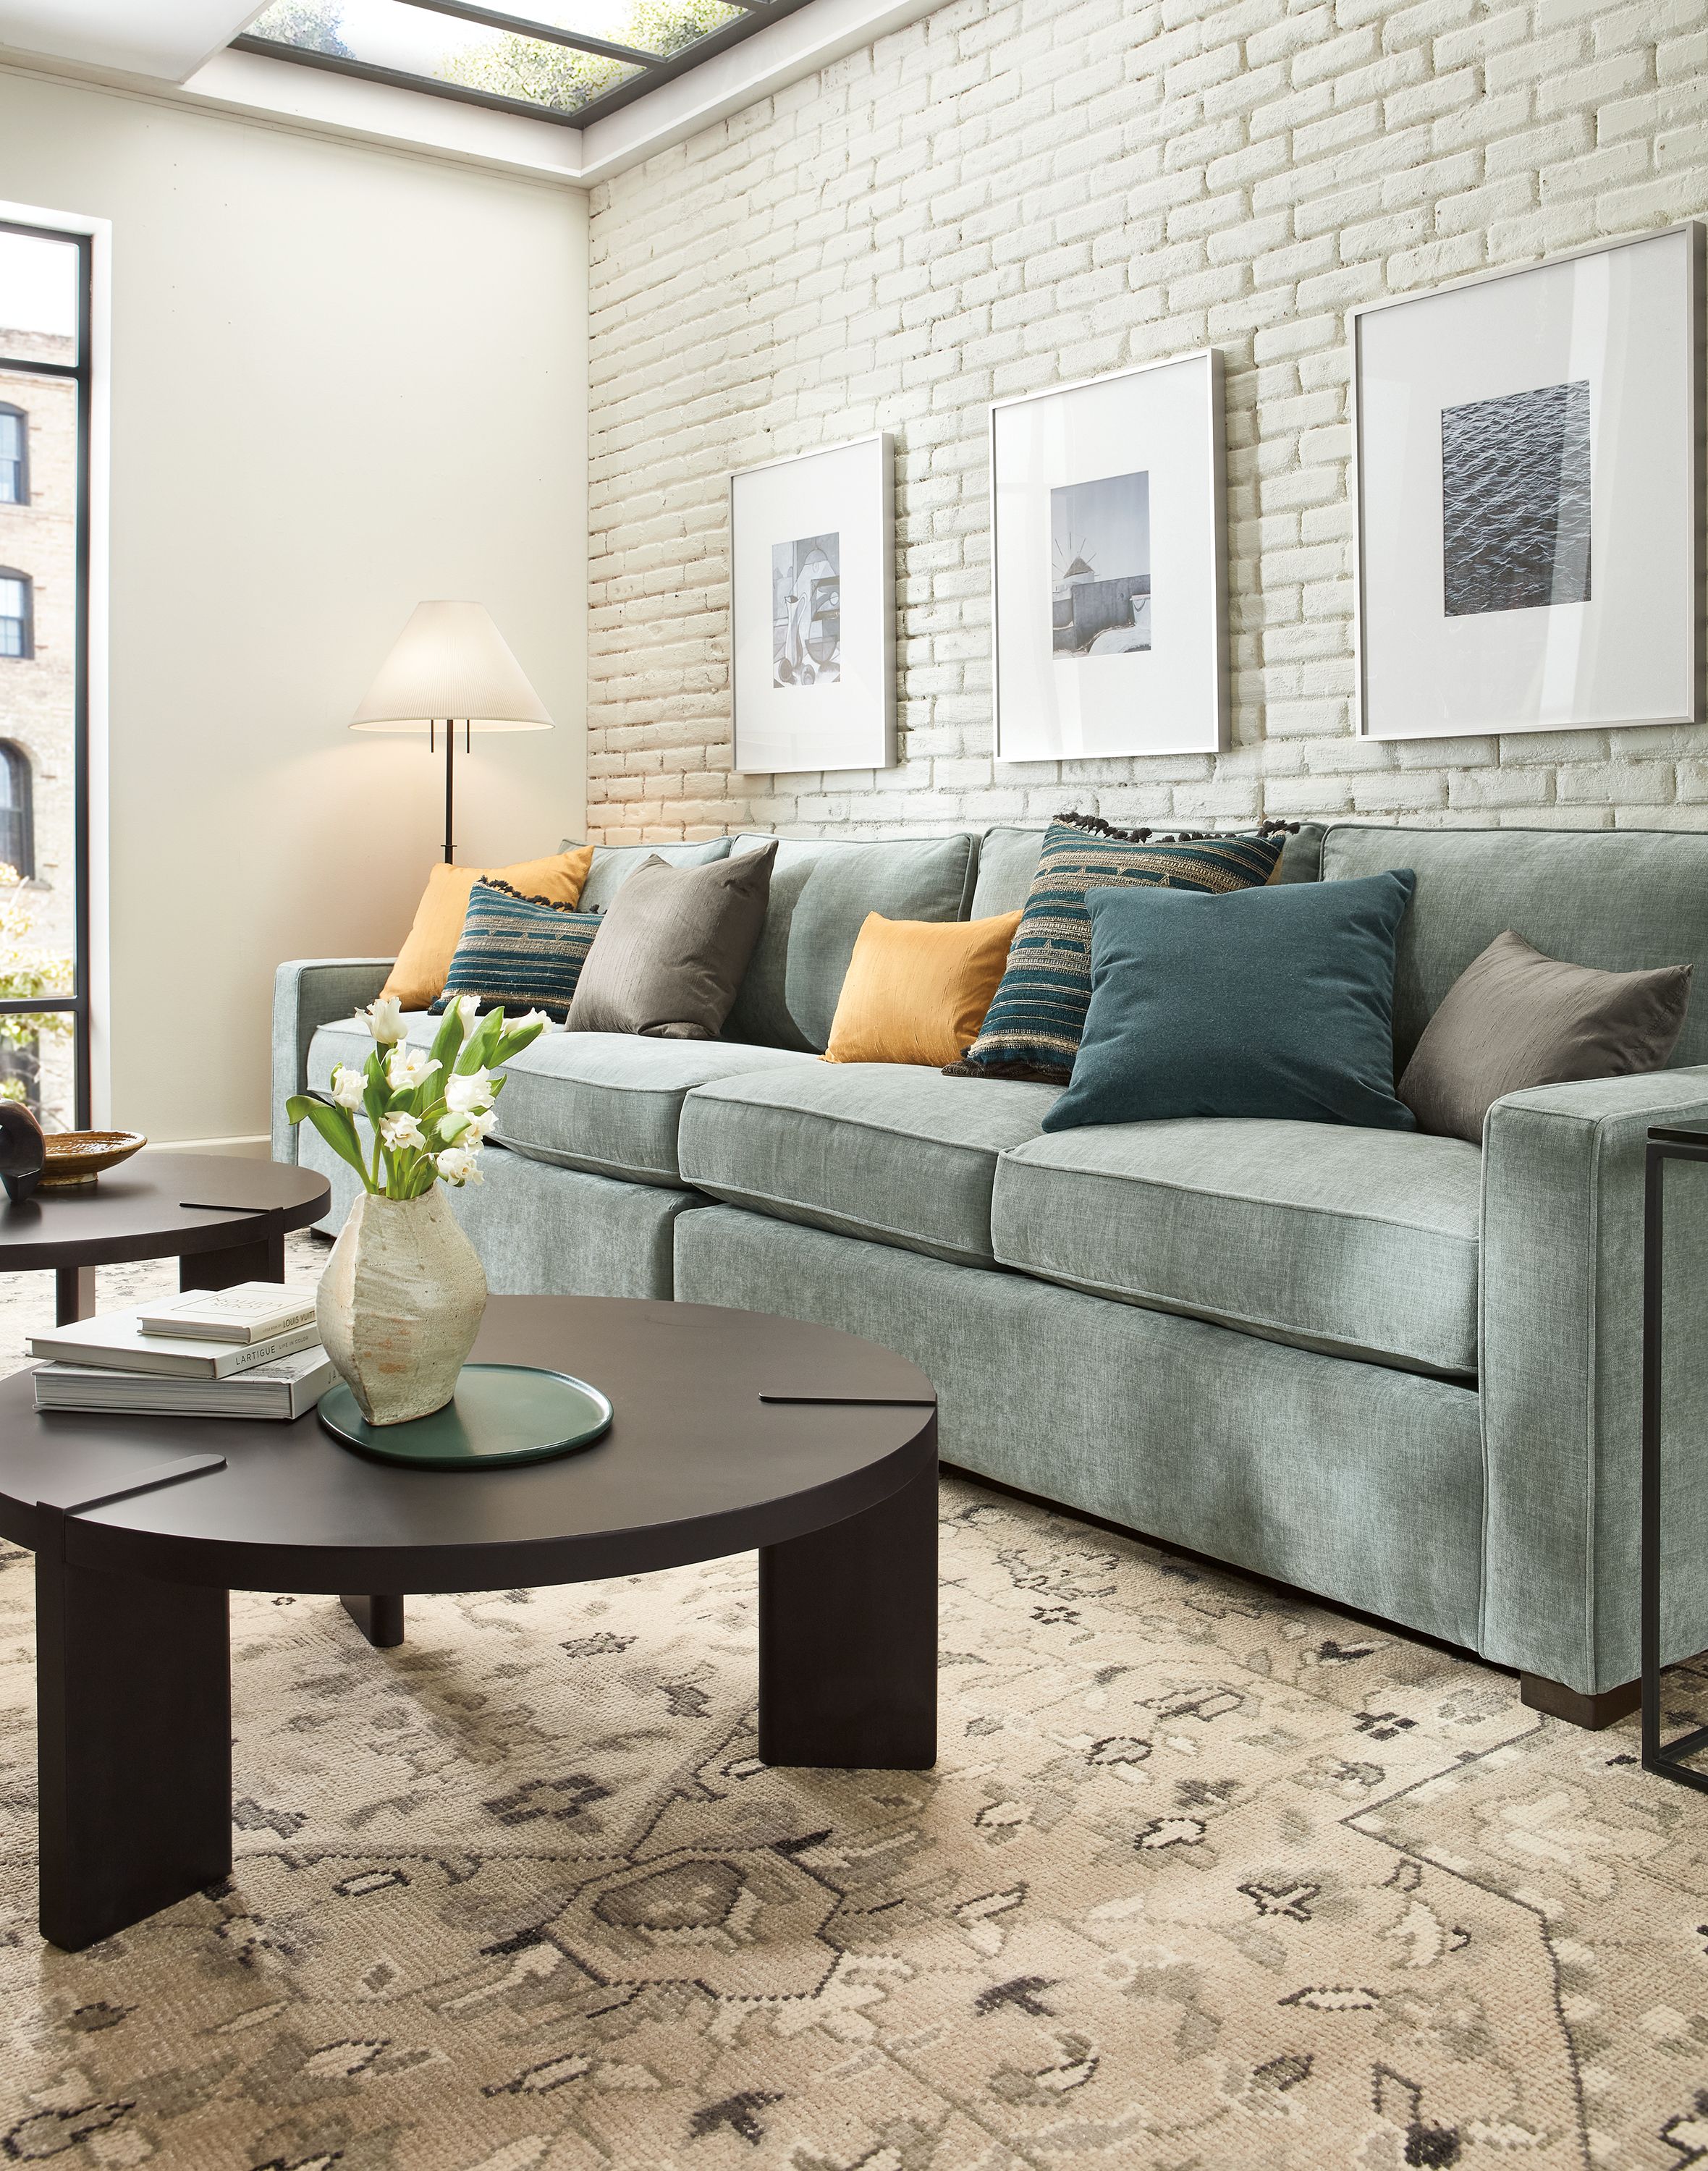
{"x": 1667, "y": 1758}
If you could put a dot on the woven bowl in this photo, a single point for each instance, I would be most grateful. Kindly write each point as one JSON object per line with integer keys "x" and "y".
{"x": 75, "y": 1157}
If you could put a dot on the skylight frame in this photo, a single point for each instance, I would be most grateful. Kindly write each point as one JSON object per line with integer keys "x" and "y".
{"x": 654, "y": 68}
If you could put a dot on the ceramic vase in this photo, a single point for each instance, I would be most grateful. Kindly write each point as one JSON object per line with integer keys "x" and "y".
{"x": 399, "y": 1304}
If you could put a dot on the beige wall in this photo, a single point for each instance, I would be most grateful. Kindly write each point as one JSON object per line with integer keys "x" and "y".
{"x": 343, "y": 380}
{"x": 1014, "y": 194}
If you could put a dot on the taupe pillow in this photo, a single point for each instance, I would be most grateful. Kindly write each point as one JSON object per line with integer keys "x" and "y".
{"x": 1515, "y": 1018}
{"x": 672, "y": 946}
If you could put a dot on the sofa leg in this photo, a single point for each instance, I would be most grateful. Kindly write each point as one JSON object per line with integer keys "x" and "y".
{"x": 1577, "y": 1709}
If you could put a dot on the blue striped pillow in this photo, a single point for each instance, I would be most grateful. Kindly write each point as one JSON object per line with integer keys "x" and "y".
{"x": 518, "y": 952}
{"x": 1033, "y": 1027}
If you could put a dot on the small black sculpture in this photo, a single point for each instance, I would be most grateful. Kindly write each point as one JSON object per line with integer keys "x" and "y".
{"x": 23, "y": 1153}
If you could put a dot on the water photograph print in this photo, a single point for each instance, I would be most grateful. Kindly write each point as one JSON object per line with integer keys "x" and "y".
{"x": 1515, "y": 500}
{"x": 1100, "y": 566}
{"x": 807, "y": 612}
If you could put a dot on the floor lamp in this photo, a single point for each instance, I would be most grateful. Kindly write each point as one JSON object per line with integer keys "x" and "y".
{"x": 449, "y": 668}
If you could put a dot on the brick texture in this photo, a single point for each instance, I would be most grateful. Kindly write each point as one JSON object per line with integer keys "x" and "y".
{"x": 1015, "y": 193}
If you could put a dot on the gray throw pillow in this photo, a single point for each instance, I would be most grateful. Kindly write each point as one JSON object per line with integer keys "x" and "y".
{"x": 672, "y": 946}
{"x": 1515, "y": 1018}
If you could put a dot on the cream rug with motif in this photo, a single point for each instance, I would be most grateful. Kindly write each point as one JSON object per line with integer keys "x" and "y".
{"x": 1203, "y": 1879}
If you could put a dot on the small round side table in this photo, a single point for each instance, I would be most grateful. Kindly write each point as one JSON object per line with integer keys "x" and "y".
{"x": 224, "y": 1220}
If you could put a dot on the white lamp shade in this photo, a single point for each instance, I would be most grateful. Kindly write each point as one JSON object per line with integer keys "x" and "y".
{"x": 451, "y": 663}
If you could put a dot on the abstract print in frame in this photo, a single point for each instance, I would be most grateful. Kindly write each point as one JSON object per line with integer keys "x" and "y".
{"x": 812, "y": 610}
{"x": 1108, "y": 561}
{"x": 1529, "y": 496}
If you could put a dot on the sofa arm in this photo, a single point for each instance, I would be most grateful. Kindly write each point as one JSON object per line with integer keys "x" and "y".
{"x": 1561, "y": 1378}
{"x": 308, "y": 992}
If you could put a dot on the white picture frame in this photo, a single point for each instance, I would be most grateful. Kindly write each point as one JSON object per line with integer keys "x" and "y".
{"x": 812, "y": 582}
{"x": 1526, "y": 489}
{"x": 1103, "y": 645}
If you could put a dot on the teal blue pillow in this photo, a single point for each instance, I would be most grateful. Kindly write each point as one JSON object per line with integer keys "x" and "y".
{"x": 1274, "y": 1002}
{"x": 518, "y": 953}
{"x": 1033, "y": 1026}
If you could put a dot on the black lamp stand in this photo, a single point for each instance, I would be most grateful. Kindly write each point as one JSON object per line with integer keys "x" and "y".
{"x": 448, "y": 725}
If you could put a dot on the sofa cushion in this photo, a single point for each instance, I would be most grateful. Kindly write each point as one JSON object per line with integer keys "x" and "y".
{"x": 613, "y": 864}
{"x": 1622, "y": 900}
{"x": 822, "y": 889}
{"x": 1362, "y": 1243}
{"x": 609, "y": 1102}
{"x": 606, "y": 1102}
{"x": 887, "y": 1151}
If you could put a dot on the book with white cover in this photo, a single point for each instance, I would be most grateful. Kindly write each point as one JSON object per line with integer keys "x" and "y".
{"x": 249, "y": 1312}
{"x": 116, "y": 1341}
{"x": 289, "y": 1387}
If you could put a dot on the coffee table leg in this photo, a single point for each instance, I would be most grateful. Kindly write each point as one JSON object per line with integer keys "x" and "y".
{"x": 847, "y": 1639}
{"x": 379, "y": 1618}
{"x": 73, "y": 1295}
{"x": 133, "y": 1696}
{"x": 263, "y": 1261}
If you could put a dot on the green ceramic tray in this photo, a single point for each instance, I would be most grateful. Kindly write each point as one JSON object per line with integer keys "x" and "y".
{"x": 501, "y": 1414}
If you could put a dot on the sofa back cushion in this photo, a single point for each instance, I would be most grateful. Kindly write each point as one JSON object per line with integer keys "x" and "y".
{"x": 1008, "y": 860}
{"x": 1623, "y": 900}
{"x": 822, "y": 889}
{"x": 613, "y": 864}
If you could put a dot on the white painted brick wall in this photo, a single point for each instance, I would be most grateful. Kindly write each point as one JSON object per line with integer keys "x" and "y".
{"x": 1015, "y": 193}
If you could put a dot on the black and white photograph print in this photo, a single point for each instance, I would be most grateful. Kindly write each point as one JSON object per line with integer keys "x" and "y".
{"x": 1515, "y": 500}
{"x": 811, "y": 610}
{"x": 806, "y": 611}
{"x": 1527, "y": 497}
{"x": 1100, "y": 562}
{"x": 1108, "y": 565}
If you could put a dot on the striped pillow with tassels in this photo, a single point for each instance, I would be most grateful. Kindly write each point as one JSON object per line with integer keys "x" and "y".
{"x": 1033, "y": 1027}
{"x": 518, "y": 952}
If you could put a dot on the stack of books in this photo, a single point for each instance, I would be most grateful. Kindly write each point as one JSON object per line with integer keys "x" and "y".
{"x": 253, "y": 1351}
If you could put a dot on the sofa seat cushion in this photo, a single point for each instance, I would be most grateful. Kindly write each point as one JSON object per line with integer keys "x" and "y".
{"x": 607, "y": 1102}
{"x": 887, "y": 1151}
{"x": 610, "y": 1102}
{"x": 1359, "y": 1242}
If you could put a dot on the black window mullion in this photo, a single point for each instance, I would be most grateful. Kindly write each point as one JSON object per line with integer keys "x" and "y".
{"x": 77, "y": 1003}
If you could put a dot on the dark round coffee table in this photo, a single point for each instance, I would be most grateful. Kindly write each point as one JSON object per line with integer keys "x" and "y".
{"x": 732, "y": 1430}
{"x": 224, "y": 1218}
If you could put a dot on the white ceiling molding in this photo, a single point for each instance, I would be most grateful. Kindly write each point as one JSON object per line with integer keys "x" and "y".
{"x": 151, "y": 56}
{"x": 167, "y": 39}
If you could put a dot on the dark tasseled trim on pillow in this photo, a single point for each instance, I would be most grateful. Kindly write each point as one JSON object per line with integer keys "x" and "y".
{"x": 1028, "y": 1073}
{"x": 1098, "y": 828}
{"x": 505, "y": 889}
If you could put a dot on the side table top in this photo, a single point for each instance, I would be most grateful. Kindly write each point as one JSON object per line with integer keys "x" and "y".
{"x": 695, "y": 1465}
{"x": 159, "y": 1203}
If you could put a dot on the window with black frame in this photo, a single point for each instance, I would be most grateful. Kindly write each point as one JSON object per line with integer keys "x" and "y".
{"x": 44, "y": 409}
{"x": 15, "y": 449}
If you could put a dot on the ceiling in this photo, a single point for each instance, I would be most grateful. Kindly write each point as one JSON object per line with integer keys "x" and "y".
{"x": 197, "y": 51}
{"x": 166, "y": 39}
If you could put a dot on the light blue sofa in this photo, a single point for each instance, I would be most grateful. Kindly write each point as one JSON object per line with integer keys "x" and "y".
{"x": 1390, "y": 1369}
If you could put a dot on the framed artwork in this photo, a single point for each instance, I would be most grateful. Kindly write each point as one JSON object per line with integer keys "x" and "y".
{"x": 812, "y": 610}
{"x": 1527, "y": 489}
{"x": 1109, "y": 597}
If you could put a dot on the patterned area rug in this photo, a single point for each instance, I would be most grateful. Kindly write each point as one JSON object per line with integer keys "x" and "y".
{"x": 1204, "y": 1878}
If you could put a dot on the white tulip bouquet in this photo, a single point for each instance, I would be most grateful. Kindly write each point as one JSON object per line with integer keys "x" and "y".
{"x": 429, "y": 1109}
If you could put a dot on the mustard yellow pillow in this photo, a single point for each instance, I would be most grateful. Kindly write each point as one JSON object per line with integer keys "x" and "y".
{"x": 418, "y": 977}
{"x": 917, "y": 989}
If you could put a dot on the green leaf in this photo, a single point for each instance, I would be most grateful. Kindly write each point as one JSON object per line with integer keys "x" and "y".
{"x": 334, "y": 1124}
{"x": 512, "y": 1043}
{"x": 447, "y": 1039}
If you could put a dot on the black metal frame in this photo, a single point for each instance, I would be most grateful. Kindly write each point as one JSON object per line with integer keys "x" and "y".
{"x": 656, "y": 68}
{"x": 81, "y": 372}
{"x": 1667, "y": 1758}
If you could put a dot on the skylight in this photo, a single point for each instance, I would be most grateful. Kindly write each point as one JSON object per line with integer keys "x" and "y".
{"x": 562, "y": 60}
